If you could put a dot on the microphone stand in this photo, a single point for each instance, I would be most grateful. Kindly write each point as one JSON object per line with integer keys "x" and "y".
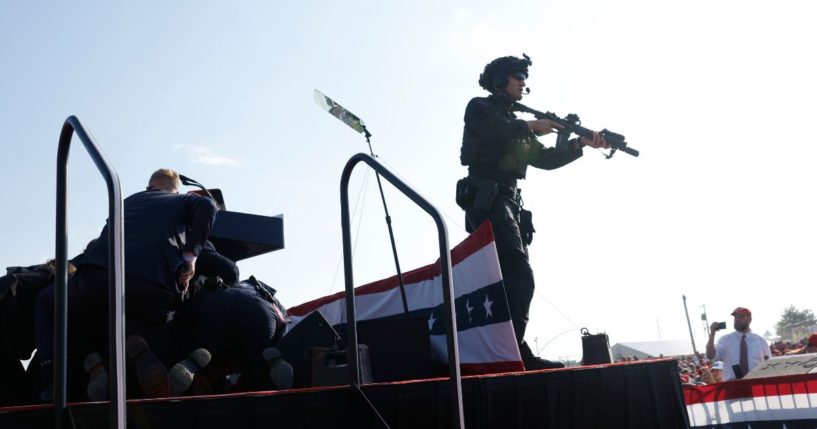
{"x": 190, "y": 182}
{"x": 350, "y": 119}
{"x": 388, "y": 224}
{"x": 356, "y": 124}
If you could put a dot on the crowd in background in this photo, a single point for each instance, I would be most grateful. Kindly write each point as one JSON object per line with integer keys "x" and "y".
{"x": 696, "y": 369}
{"x": 805, "y": 345}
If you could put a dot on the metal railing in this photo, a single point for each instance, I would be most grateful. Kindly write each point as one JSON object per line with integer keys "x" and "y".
{"x": 116, "y": 277}
{"x": 445, "y": 271}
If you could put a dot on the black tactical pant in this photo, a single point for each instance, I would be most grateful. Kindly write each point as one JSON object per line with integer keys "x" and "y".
{"x": 517, "y": 274}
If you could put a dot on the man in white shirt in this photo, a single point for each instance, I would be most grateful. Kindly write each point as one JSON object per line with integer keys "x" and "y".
{"x": 742, "y": 347}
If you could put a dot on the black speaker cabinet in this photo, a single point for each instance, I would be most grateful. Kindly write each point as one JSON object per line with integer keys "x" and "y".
{"x": 596, "y": 349}
{"x": 297, "y": 345}
{"x": 399, "y": 349}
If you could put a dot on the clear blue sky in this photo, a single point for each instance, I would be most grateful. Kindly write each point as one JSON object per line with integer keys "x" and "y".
{"x": 718, "y": 96}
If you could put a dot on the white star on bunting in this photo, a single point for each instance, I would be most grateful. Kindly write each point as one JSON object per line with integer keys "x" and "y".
{"x": 487, "y": 304}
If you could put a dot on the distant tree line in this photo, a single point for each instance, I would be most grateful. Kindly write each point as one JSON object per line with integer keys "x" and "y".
{"x": 793, "y": 322}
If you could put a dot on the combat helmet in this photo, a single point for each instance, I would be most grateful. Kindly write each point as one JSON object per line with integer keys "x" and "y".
{"x": 495, "y": 75}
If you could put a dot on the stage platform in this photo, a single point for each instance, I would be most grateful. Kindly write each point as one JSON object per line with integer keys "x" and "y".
{"x": 645, "y": 394}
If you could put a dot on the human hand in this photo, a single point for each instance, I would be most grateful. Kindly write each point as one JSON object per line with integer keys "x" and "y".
{"x": 596, "y": 142}
{"x": 543, "y": 126}
{"x": 187, "y": 272}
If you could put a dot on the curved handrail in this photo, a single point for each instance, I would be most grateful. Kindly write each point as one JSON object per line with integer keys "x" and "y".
{"x": 445, "y": 270}
{"x": 116, "y": 277}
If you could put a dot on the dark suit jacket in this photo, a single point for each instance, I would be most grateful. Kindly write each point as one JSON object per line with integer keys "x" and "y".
{"x": 159, "y": 227}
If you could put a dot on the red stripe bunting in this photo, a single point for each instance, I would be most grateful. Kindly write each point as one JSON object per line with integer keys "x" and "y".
{"x": 480, "y": 238}
{"x": 751, "y": 388}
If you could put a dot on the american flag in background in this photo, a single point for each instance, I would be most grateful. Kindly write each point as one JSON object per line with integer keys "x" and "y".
{"x": 784, "y": 402}
{"x": 487, "y": 343}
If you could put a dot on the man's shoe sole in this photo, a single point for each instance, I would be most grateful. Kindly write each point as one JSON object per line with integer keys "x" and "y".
{"x": 280, "y": 372}
{"x": 150, "y": 372}
{"x": 182, "y": 374}
{"x": 98, "y": 378}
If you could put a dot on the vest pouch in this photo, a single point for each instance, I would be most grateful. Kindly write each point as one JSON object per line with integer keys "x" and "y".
{"x": 526, "y": 228}
{"x": 465, "y": 193}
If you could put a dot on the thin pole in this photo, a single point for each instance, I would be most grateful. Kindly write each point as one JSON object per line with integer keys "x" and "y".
{"x": 706, "y": 320}
{"x": 391, "y": 232}
{"x": 691, "y": 337}
{"x": 658, "y": 325}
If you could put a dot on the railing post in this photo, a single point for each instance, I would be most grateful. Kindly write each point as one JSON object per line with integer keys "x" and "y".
{"x": 445, "y": 273}
{"x": 116, "y": 277}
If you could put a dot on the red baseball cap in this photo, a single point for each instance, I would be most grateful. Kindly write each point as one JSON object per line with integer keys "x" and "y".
{"x": 743, "y": 311}
{"x": 812, "y": 340}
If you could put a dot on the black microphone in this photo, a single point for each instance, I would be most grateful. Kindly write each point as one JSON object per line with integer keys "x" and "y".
{"x": 187, "y": 181}
{"x": 527, "y": 90}
{"x": 190, "y": 182}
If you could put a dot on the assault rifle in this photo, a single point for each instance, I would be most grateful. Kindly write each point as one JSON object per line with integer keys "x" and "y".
{"x": 571, "y": 124}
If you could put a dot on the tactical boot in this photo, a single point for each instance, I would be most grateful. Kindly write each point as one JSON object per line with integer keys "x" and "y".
{"x": 97, "y": 389}
{"x": 182, "y": 374}
{"x": 150, "y": 372}
{"x": 280, "y": 372}
{"x": 533, "y": 363}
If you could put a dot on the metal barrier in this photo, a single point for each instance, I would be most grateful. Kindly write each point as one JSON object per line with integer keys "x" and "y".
{"x": 116, "y": 277}
{"x": 445, "y": 270}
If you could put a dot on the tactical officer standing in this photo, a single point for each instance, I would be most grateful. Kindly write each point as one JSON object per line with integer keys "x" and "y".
{"x": 498, "y": 147}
